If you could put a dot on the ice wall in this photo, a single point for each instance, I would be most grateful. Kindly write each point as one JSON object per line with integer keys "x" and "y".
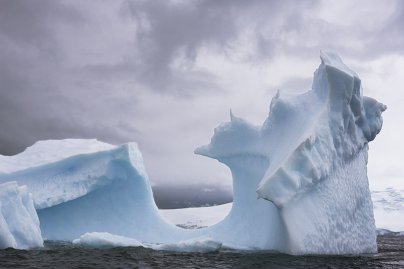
{"x": 104, "y": 188}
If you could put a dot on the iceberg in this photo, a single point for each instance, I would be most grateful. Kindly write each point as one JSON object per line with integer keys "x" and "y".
{"x": 310, "y": 158}
{"x": 96, "y": 187}
{"x": 299, "y": 180}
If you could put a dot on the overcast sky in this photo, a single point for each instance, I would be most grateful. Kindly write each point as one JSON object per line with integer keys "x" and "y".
{"x": 165, "y": 73}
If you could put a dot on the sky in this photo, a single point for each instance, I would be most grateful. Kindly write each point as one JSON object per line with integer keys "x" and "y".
{"x": 166, "y": 73}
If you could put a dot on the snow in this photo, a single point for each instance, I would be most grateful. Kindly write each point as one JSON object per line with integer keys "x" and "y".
{"x": 196, "y": 217}
{"x": 55, "y": 174}
{"x": 50, "y": 151}
{"x": 307, "y": 161}
{"x": 388, "y": 207}
{"x": 19, "y": 224}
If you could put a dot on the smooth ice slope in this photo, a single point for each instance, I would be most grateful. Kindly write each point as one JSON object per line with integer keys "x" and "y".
{"x": 19, "y": 224}
{"x": 308, "y": 161}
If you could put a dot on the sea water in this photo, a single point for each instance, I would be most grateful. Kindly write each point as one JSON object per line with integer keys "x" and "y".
{"x": 66, "y": 255}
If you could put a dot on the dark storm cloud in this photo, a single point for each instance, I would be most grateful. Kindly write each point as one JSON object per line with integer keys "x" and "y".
{"x": 51, "y": 86}
{"x": 80, "y": 68}
{"x": 168, "y": 30}
{"x": 41, "y": 95}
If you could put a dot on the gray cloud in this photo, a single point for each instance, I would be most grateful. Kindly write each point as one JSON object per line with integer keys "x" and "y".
{"x": 131, "y": 70}
{"x": 62, "y": 80}
{"x": 46, "y": 94}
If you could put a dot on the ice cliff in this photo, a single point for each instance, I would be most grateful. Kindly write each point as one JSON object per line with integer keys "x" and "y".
{"x": 313, "y": 149}
{"x": 95, "y": 187}
{"x": 307, "y": 162}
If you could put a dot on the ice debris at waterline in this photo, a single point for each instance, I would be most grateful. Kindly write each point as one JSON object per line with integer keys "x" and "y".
{"x": 95, "y": 239}
{"x": 307, "y": 161}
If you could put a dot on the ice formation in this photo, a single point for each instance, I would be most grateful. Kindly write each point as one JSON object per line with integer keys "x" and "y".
{"x": 19, "y": 224}
{"x": 199, "y": 244}
{"x": 102, "y": 188}
{"x": 313, "y": 154}
{"x": 307, "y": 161}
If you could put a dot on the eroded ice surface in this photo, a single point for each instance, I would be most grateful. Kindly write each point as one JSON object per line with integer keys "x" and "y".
{"x": 313, "y": 150}
{"x": 104, "y": 190}
{"x": 307, "y": 161}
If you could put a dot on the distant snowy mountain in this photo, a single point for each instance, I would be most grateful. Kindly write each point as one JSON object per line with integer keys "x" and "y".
{"x": 388, "y": 208}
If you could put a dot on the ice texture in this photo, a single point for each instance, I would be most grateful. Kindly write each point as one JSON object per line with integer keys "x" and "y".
{"x": 19, "y": 224}
{"x": 313, "y": 154}
{"x": 104, "y": 190}
{"x": 307, "y": 162}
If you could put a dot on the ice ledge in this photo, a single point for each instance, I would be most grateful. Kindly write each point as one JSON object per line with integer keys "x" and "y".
{"x": 55, "y": 182}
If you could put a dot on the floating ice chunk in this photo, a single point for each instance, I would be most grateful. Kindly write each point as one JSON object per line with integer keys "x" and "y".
{"x": 200, "y": 244}
{"x": 96, "y": 239}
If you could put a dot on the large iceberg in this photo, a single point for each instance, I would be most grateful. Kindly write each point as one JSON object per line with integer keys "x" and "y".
{"x": 313, "y": 154}
{"x": 307, "y": 162}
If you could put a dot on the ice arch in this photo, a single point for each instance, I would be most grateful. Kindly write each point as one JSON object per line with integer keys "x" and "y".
{"x": 307, "y": 161}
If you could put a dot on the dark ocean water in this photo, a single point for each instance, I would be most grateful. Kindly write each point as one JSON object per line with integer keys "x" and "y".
{"x": 65, "y": 255}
